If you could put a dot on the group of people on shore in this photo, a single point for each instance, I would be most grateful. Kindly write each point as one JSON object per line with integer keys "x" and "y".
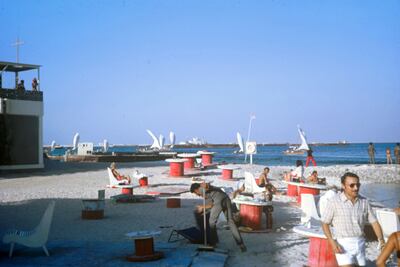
{"x": 389, "y": 160}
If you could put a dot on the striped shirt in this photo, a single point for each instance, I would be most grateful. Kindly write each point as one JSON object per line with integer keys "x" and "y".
{"x": 347, "y": 219}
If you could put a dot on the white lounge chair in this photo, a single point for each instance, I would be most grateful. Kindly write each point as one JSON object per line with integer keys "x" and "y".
{"x": 250, "y": 185}
{"x": 389, "y": 222}
{"x": 114, "y": 183}
{"x": 309, "y": 214}
{"x": 36, "y": 238}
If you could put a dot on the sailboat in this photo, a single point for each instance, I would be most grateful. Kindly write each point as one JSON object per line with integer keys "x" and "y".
{"x": 240, "y": 143}
{"x": 294, "y": 150}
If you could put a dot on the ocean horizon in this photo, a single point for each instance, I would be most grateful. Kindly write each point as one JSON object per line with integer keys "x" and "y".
{"x": 272, "y": 155}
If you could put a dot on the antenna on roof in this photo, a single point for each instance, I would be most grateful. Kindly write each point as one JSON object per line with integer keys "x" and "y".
{"x": 18, "y": 43}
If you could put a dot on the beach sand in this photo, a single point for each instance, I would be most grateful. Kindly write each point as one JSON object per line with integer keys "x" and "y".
{"x": 24, "y": 197}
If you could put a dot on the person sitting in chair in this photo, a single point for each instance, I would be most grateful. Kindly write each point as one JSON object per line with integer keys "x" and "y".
{"x": 123, "y": 178}
{"x": 264, "y": 182}
{"x": 313, "y": 178}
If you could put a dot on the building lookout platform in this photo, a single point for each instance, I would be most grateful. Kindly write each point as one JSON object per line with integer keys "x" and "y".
{"x": 21, "y": 118}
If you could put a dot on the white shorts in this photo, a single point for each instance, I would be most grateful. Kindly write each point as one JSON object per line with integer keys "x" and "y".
{"x": 354, "y": 251}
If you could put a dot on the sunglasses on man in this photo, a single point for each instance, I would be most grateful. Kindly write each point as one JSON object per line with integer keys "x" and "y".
{"x": 355, "y": 184}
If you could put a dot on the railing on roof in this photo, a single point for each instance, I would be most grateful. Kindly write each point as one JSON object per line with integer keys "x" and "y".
{"x": 25, "y": 95}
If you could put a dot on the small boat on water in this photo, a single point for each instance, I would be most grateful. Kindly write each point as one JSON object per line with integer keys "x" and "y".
{"x": 300, "y": 150}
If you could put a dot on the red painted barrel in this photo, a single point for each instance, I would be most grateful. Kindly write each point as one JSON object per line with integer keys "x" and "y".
{"x": 321, "y": 253}
{"x": 258, "y": 181}
{"x": 144, "y": 247}
{"x": 176, "y": 169}
{"x": 173, "y": 203}
{"x": 189, "y": 164}
{"x": 127, "y": 191}
{"x": 292, "y": 190}
{"x": 250, "y": 216}
{"x": 206, "y": 159}
{"x": 227, "y": 174}
{"x": 306, "y": 190}
{"x": 143, "y": 182}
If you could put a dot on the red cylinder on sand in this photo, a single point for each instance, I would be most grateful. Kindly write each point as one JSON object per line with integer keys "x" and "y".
{"x": 176, "y": 169}
{"x": 227, "y": 174}
{"x": 127, "y": 191}
{"x": 206, "y": 159}
{"x": 292, "y": 190}
{"x": 251, "y": 215}
{"x": 173, "y": 203}
{"x": 143, "y": 182}
{"x": 321, "y": 253}
{"x": 189, "y": 164}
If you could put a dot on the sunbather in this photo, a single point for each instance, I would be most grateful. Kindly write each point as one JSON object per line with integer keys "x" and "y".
{"x": 123, "y": 178}
{"x": 264, "y": 182}
{"x": 313, "y": 178}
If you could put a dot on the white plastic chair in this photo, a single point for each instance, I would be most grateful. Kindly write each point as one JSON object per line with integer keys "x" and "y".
{"x": 309, "y": 214}
{"x": 250, "y": 185}
{"x": 36, "y": 238}
{"x": 113, "y": 181}
{"x": 389, "y": 222}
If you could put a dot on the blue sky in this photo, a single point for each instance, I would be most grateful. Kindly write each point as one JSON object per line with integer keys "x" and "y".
{"x": 112, "y": 69}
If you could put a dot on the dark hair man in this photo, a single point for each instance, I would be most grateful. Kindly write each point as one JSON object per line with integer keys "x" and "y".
{"x": 348, "y": 212}
{"x": 218, "y": 202}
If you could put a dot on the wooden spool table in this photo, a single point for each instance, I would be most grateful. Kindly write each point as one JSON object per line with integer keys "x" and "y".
{"x": 190, "y": 159}
{"x": 227, "y": 171}
{"x": 144, "y": 246}
{"x": 176, "y": 167}
{"x": 305, "y": 188}
{"x": 206, "y": 157}
{"x": 251, "y": 212}
{"x": 320, "y": 252}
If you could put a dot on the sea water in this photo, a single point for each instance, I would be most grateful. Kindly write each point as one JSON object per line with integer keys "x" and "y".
{"x": 273, "y": 155}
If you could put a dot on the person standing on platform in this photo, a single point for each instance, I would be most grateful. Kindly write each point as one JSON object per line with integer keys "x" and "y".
{"x": 371, "y": 153}
{"x": 348, "y": 212}
{"x": 310, "y": 158}
{"x": 219, "y": 202}
{"x": 388, "y": 156}
{"x": 397, "y": 153}
{"x": 34, "y": 84}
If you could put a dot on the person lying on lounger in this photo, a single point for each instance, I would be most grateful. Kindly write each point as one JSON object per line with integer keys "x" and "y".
{"x": 123, "y": 178}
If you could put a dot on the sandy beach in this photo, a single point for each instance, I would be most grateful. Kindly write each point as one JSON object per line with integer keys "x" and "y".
{"x": 24, "y": 197}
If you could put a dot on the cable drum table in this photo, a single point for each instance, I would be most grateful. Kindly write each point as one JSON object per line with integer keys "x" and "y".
{"x": 190, "y": 157}
{"x": 144, "y": 246}
{"x": 320, "y": 252}
{"x": 227, "y": 171}
{"x": 176, "y": 167}
{"x": 304, "y": 188}
{"x": 206, "y": 157}
{"x": 251, "y": 211}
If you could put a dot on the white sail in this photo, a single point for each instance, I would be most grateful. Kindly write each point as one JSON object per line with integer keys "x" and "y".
{"x": 161, "y": 141}
{"x": 172, "y": 139}
{"x": 105, "y": 145}
{"x": 240, "y": 142}
{"x": 53, "y": 145}
{"x": 304, "y": 145}
{"x": 75, "y": 141}
{"x": 155, "y": 144}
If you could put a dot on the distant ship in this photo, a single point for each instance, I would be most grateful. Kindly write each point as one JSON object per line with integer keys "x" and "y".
{"x": 194, "y": 141}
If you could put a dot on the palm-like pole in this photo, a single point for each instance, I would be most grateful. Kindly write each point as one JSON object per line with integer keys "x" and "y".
{"x": 252, "y": 117}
